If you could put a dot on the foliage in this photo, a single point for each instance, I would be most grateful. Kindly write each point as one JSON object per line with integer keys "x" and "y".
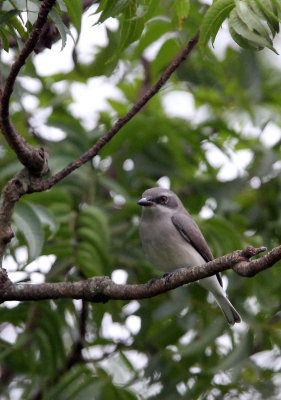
{"x": 89, "y": 221}
{"x": 251, "y": 22}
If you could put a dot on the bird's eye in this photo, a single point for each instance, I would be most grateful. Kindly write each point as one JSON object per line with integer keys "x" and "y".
{"x": 163, "y": 199}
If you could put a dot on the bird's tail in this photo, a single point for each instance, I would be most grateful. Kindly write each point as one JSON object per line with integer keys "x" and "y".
{"x": 231, "y": 315}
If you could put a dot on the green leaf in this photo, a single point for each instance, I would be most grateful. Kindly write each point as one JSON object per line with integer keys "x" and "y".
{"x": 111, "y": 8}
{"x": 246, "y": 44}
{"x": 47, "y": 355}
{"x": 15, "y": 23}
{"x": 89, "y": 235}
{"x": 94, "y": 217}
{"x": 56, "y": 18}
{"x": 5, "y": 40}
{"x": 255, "y": 7}
{"x": 166, "y": 53}
{"x": 93, "y": 242}
{"x": 271, "y": 19}
{"x": 89, "y": 263}
{"x": 154, "y": 29}
{"x": 131, "y": 27}
{"x": 6, "y": 15}
{"x": 213, "y": 19}
{"x": 104, "y": 63}
{"x": 277, "y": 4}
{"x": 30, "y": 226}
{"x": 250, "y": 19}
{"x": 45, "y": 217}
{"x": 217, "y": 227}
{"x": 74, "y": 10}
{"x": 182, "y": 7}
{"x": 241, "y": 29}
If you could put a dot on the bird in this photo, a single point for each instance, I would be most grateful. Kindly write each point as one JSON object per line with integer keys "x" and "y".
{"x": 171, "y": 239}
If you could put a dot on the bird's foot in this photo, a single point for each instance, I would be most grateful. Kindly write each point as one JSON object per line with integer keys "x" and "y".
{"x": 152, "y": 281}
{"x": 168, "y": 275}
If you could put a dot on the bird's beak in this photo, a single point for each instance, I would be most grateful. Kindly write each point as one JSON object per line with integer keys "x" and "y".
{"x": 145, "y": 202}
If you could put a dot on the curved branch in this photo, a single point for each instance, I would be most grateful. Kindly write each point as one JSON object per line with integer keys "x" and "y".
{"x": 93, "y": 151}
{"x": 102, "y": 288}
{"x": 11, "y": 194}
{"x": 34, "y": 159}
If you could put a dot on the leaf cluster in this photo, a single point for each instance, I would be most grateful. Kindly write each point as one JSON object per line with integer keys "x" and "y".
{"x": 252, "y": 23}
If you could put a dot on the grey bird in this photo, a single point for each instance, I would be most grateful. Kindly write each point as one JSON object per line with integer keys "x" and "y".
{"x": 171, "y": 239}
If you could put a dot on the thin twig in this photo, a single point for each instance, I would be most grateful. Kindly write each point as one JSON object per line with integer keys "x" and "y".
{"x": 93, "y": 151}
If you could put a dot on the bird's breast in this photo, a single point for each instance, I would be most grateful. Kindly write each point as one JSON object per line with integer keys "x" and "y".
{"x": 165, "y": 247}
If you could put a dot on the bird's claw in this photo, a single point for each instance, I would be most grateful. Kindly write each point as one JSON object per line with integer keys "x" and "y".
{"x": 152, "y": 281}
{"x": 167, "y": 276}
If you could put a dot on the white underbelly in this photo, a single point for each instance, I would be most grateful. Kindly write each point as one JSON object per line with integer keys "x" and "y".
{"x": 168, "y": 250}
{"x": 174, "y": 252}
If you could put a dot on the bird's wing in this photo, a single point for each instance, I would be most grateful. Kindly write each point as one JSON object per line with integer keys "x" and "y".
{"x": 190, "y": 231}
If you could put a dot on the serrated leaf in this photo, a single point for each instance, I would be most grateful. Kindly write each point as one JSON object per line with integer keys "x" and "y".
{"x": 182, "y": 7}
{"x": 241, "y": 29}
{"x": 30, "y": 226}
{"x": 74, "y": 10}
{"x": 213, "y": 19}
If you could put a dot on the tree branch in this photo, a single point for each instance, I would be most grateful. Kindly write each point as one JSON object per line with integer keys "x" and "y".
{"x": 102, "y": 288}
{"x": 93, "y": 151}
{"x": 34, "y": 159}
{"x": 11, "y": 193}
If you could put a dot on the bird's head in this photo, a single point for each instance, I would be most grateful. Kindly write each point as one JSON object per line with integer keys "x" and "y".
{"x": 159, "y": 200}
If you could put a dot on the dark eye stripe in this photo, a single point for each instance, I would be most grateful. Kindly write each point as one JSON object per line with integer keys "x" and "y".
{"x": 161, "y": 200}
{"x": 166, "y": 201}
